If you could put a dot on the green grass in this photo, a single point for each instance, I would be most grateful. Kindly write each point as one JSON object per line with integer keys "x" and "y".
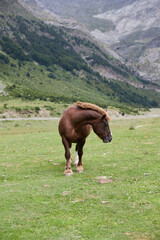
{"x": 24, "y": 107}
{"x": 38, "y": 202}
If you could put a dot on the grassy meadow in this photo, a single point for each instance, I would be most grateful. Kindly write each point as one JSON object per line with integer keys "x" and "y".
{"x": 38, "y": 202}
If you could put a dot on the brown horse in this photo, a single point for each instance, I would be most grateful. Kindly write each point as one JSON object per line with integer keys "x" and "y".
{"x": 76, "y": 124}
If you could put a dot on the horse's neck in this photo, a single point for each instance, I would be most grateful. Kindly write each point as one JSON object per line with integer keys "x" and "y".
{"x": 88, "y": 117}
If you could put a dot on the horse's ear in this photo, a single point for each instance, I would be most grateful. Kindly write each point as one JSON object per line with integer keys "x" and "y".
{"x": 103, "y": 117}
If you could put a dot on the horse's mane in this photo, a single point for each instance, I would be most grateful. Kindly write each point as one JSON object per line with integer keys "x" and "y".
{"x": 94, "y": 107}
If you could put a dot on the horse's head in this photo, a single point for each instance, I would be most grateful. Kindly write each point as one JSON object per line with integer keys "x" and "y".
{"x": 101, "y": 128}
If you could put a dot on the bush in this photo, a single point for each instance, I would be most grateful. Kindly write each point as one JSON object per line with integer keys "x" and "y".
{"x": 18, "y": 109}
{"x": 37, "y": 109}
{"x": 4, "y": 59}
{"x": 51, "y": 75}
{"x": 5, "y": 105}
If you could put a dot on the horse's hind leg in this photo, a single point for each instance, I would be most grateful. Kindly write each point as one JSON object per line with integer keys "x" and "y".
{"x": 79, "y": 147}
{"x": 67, "y": 146}
{"x": 76, "y": 159}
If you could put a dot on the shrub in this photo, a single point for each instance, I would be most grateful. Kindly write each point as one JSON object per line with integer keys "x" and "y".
{"x": 37, "y": 109}
{"x": 51, "y": 75}
{"x": 4, "y": 59}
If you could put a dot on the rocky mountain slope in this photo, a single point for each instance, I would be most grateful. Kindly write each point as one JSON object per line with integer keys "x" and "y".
{"x": 136, "y": 35}
{"x": 138, "y": 16}
{"x": 39, "y": 11}
{"x": 129, "y": 28}
{"x": 83, "y": 10}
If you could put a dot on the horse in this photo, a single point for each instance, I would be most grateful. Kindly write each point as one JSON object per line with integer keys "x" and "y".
{"x": 76, "y": 124}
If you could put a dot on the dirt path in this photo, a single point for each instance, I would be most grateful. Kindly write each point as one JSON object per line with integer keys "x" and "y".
{"x": 29, "y": 118}
{"x": 153, "y": 113}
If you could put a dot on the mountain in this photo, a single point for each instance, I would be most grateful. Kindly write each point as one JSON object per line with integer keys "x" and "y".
{"x": 136, "y": 32}
{"x": 106, "y": 71}
{"x": 57, "y": 62}
{"x": 39, "y": 11}
{"x": 127, "y": 27}
{"x": 83, "y": 10}
{"x": 137, "y": 17}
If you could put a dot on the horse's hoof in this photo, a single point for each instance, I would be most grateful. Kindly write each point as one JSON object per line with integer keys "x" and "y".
{"x": 79, "y": 169}
{"x": 68, "y": 173}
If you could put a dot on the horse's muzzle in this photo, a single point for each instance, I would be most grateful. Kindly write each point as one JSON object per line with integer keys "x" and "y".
{"x": 107, "y": 139}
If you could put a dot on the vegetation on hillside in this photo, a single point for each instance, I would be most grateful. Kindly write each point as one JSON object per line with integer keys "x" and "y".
{"x": 38, "y": 61}
{"x": 31, "y": 81}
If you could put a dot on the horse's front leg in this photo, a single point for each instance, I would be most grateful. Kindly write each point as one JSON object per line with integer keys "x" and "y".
{"x": 79, "y": 149}
{"x": 67, "y": 146}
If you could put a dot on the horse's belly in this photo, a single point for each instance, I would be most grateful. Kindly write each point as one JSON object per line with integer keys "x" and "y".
{"x": 73, "y": 133}
{"x": 80, "y": 134}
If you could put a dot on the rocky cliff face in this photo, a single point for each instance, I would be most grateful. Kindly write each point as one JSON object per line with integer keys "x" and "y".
{"x": 138, "y": 16}
{"x": 148, "y": 64}
{"x": 135, "y": 36}
{"x": 83, "y": 10}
